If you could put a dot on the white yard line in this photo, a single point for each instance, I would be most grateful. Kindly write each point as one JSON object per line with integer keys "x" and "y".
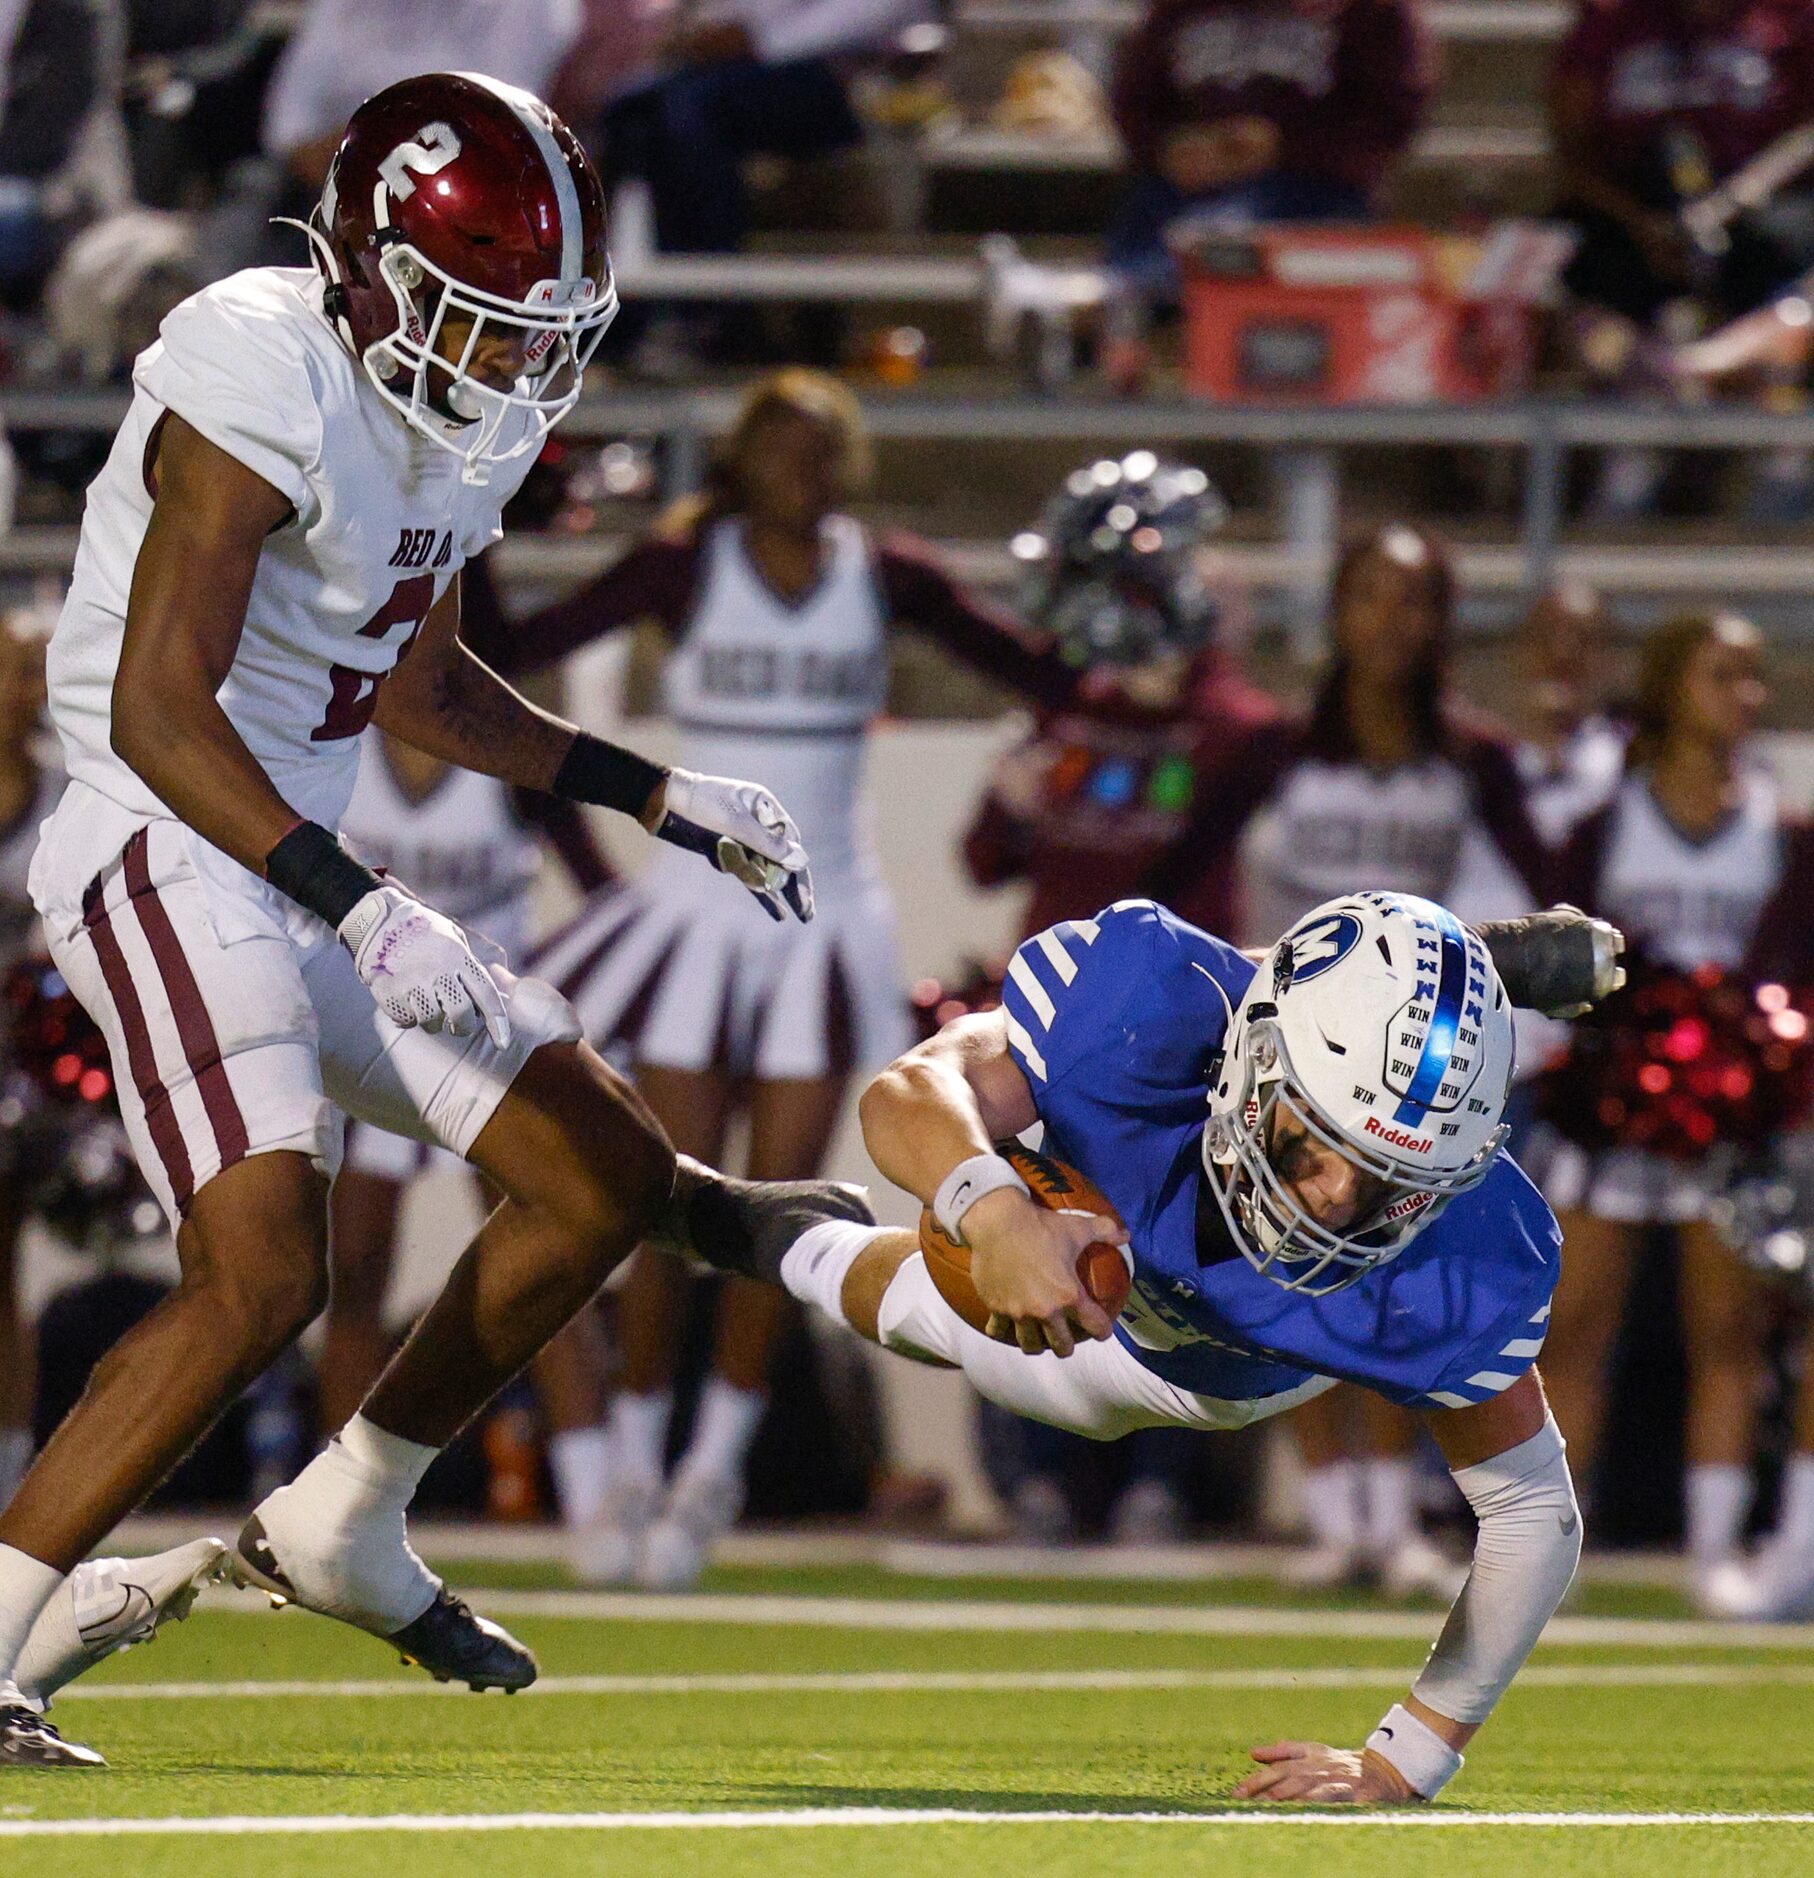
{"x": 963, "y": 1681}
{"x": 1178, "y": 1620}
{"x": 845, "y": 1816}
{"x": 466, "y": 1543}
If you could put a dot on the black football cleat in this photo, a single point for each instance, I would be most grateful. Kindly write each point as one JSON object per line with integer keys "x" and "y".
{"x": 28, "y": 1740}
{"x": 1561, "y": 962}
{"x": 449, "y": 1640}
{"x": 747, "y": 1226}
{"x": 454, "y": 1644}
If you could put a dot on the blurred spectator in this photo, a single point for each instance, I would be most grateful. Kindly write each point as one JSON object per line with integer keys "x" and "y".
{"x": 617, "y": 46}
{"x": 1261, "y": 111}
{"x": 1694, "y": 861}
{"x": 777, "y": 607}
{"x": 1390, "y": 782}
{"x": 1101, "y": 792}
{"x": 1570, "y": 751}
{"x": 28, "y": 792}
{"x": 197, "y": 72}
{"x": 1096, "y": 796}
{"x": 1654, "y": 103}
{"x": 730, "y": 81}
{"x": 50, "y": 64}
{"x": 345, "y": 50}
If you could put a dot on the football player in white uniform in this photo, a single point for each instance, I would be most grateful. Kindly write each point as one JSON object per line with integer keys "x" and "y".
{"x": 309, "y": 457}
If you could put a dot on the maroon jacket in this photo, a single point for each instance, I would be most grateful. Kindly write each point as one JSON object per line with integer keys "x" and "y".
{"x": 657, "y": 581}
{"x": 1117, "y": 789}
{"x": 1345, "y": 81}
{"x": 1652, "y": 67}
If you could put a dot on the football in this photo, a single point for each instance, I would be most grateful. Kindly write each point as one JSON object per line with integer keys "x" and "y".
{"x": 1107, "y": 1271}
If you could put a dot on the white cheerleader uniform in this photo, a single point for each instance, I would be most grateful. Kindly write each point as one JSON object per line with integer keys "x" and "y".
{"x": 1685, "y": 903}
{"x": 683, "y": 967}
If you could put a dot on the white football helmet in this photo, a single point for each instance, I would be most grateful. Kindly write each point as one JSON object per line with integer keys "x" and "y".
{"x": 1378, "y": 1023}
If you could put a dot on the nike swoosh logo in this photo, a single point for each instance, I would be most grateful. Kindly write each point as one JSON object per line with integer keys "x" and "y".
{"x": 1569, "y": 1523}
{"x": 1387, "y": 1732}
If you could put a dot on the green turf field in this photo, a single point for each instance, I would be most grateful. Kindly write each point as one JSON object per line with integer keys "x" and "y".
{"x": 806, "y": 1697}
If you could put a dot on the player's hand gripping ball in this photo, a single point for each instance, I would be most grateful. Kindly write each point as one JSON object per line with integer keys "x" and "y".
{"x": 1105, "y": 1270}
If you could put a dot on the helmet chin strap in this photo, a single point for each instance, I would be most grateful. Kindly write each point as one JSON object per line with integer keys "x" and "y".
{"x": 334, "y": 301}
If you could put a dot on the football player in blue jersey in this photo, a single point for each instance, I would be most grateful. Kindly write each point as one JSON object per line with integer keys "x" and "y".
{"x": 1307, "y": 1156}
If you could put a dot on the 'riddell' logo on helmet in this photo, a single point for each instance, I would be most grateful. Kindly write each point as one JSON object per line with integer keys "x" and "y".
{"x": 1396, "y": 1137}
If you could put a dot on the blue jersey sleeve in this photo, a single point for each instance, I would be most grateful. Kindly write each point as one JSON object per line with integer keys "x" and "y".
{"x": 1068, "y": 986}
{"x": 1135, "y": 982}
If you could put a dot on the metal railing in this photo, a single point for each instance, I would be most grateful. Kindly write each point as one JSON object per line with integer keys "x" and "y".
{"x": 1305, "y": 444}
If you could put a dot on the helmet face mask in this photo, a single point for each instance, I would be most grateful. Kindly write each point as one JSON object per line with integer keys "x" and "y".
{"x": 431, "y": 375}
{"x": 1312, "y": 1072}
{"x": 461, "y": 232}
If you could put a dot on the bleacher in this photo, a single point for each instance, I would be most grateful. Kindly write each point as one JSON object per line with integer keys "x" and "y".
{"x": 895, "y": 235}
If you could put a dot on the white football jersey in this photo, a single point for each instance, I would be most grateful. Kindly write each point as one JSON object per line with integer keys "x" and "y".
{"x": 461, "y": 846}
{"x": 381, "y": 524}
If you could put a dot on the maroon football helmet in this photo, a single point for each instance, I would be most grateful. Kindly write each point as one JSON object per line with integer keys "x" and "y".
{"x": 462, "y": 234}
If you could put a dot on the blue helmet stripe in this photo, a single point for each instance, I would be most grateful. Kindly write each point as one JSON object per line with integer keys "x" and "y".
{"x": 1439, "y": 1040}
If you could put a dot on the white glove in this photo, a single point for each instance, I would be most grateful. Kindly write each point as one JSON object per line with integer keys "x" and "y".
{"x": 743, "y": 831}
{"x": 420, "y": 967}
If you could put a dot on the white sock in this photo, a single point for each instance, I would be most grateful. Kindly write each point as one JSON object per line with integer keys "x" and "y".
{"x": 1718, "y": 1498}
{"x": 1795, "y": 1522}
{"x": 723, "y": 1429}
{"x": 386, "y": 1466}
{"x": 815, "y": 1266}
{"x": 26, "y": 1586}
{"x": 580, "y": 1461}
{"x": 639, "y": 1432}
{"x": 339, "y": 1534}
{"x": 1388, "y": 1497}
{"x": 15, "y": 1459}
{"x": 1332, "y": 1503}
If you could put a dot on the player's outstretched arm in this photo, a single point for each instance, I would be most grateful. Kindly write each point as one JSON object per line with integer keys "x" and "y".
{"x": 1508, "y": 1458}
{"x": 931, "y": 1121}
{"x": 446, "y": 701}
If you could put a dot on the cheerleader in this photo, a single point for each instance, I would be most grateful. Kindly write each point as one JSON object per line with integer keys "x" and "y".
{"x": 1570, "y": 750}
{"x": 468, "y": 844}
{"x": 1693, "y": 859}
{"x": 777, "y": 609}
{"x": 29, "y": 788}
{"x": 1391, "y": 783}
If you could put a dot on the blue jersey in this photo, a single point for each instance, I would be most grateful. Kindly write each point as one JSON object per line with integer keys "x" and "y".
{"x": 1116, "y": 1022}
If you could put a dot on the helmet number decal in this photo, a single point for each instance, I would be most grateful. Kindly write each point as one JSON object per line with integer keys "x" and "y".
{"x": 427, "y": 154}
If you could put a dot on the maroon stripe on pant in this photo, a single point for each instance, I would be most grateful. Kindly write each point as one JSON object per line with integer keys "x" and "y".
{"x": 141, "y": 1060}
{"x": 194, "y": 1027}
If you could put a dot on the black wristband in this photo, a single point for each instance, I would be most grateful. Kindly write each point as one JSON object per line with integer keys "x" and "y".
{"x": 596, "y": 771}
{"x": 311, "y": 866}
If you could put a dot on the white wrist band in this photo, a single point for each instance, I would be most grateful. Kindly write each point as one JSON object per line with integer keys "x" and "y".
{"x": 1416, "y": 1750}
{"x": 967, "y": 1182}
